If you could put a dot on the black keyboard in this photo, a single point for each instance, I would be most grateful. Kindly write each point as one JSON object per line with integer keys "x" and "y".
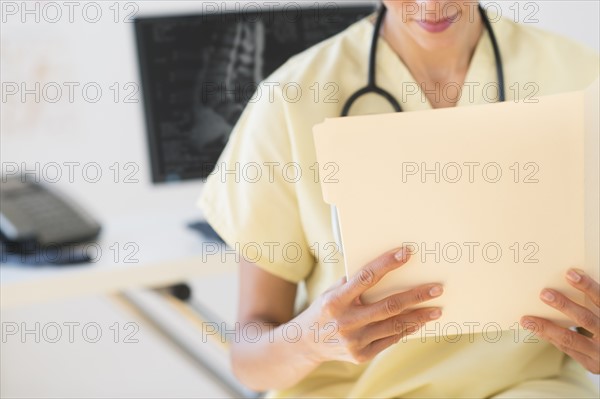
{"x": 207, "y": 232}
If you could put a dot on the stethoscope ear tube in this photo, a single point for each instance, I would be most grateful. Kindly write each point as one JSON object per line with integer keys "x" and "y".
{"x": 371, "y": 87}
{"x": 497, "y": 55}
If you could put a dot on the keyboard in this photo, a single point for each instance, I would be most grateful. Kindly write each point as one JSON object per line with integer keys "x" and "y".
{"x": 207, "y": 232}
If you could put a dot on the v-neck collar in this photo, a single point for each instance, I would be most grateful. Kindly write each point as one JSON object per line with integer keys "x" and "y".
{"x": 480, "y": 81}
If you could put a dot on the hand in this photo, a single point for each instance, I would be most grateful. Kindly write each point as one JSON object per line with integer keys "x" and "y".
{"x": 352, "y": 331}
{"x": 583, "y": 348}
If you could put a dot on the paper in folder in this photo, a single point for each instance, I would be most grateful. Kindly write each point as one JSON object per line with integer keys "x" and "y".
{"x": 495, "y": 201}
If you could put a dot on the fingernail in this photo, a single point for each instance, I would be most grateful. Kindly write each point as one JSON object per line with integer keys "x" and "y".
{"x": 435, "y": 314}
{"x": 548, "y": 296}
{"x": 401, "y": 255}
{"x": 436, "y": 290}
{"x": 573, "y": 276}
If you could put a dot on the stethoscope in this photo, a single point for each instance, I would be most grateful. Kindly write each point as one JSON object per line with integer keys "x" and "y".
{"x": 372, "y": 88}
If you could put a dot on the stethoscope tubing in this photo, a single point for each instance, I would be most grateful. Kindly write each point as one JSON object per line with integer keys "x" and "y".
{"x": 373, "y": 88}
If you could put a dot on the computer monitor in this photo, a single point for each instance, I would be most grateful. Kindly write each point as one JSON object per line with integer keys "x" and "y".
{"x": 184, "y": 59}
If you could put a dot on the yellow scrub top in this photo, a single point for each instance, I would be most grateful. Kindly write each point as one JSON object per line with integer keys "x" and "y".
{"x": 265, "y": 200}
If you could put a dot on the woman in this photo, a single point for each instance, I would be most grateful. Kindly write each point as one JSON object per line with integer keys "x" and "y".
{"x": 334, "y": 346}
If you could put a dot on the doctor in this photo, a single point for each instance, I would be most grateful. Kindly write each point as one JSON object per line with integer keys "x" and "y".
{"x": 315, "y": 338}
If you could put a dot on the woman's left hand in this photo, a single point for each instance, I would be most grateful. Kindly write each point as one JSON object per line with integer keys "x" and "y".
{"x": 583, "y": 348}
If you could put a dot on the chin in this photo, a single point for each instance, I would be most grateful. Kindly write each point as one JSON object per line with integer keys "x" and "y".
{"x": 433, "y": 41}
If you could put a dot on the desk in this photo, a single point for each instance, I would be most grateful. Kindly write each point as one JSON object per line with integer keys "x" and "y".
{"x": 163, "y": 251}
{"x": 141, "y": 250}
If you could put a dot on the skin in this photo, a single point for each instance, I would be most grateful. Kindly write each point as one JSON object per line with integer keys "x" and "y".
{"x": 362, "y": 331}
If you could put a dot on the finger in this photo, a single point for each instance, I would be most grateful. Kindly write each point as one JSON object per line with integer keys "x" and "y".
{"x": 340, "y": 282}
{"x": 374, "y": 271}
{"x": 581, "y": 315}
{"x": 586, "y": 284}
{"x": 563, "y": 342}
{"x": 563, "y": 338}
{"x": 375, "y": 347}
{"x": 585, "y": 360}
{"x": 400, "y": 324}
{"x": 398, "y": 303}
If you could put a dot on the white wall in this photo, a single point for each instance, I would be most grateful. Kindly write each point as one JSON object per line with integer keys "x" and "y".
{"x": 577, "y": 19}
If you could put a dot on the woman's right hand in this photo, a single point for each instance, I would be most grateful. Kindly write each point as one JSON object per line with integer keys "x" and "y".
{"x": 340, "y": 327}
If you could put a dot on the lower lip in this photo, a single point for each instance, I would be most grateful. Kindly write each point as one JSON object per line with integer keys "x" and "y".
{"x": 435, "y": 27}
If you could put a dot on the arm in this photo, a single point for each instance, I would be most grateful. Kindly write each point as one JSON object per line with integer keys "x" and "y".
{"x": 270, "y": 363}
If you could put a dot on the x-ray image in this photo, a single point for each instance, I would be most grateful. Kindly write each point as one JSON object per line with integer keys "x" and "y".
{"x": 232, "y": 64}
{"x": 199, "y": 72}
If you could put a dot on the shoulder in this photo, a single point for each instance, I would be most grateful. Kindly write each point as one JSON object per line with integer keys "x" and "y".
{"x": 557, "y": 63}
{"x": 313, "y": 84}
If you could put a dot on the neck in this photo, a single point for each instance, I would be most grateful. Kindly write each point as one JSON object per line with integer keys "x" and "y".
{"x": 439, "y": 65}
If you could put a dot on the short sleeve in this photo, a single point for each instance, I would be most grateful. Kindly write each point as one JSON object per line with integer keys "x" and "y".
{"x": 250, "y": 198}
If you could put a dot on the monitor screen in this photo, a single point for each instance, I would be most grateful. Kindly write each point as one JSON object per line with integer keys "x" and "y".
{"x": 198, "y": 72}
